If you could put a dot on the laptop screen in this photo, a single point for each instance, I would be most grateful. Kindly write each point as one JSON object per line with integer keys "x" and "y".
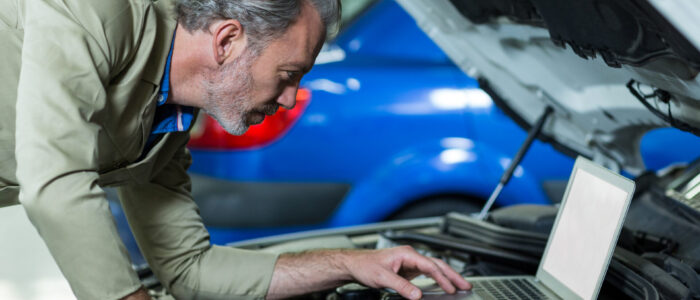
{"x": 581, "y": 242}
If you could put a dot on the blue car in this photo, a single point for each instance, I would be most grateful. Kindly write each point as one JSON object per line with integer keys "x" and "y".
{"x": 385, "y": 127}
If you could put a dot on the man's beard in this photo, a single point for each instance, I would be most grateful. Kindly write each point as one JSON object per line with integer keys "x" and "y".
{"x": 228, "y": 96}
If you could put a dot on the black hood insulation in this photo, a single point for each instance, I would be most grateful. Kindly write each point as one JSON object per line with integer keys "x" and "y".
{"x": 620, "y": 31}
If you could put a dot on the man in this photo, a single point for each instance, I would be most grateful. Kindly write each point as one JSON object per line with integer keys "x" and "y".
{"x": 102, "y": 93}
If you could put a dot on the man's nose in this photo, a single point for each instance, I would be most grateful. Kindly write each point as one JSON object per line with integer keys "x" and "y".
{"x": 288, "y": 98}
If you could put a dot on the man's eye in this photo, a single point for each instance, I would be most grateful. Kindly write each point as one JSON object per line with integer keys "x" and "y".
{"x": 292, "y": 75}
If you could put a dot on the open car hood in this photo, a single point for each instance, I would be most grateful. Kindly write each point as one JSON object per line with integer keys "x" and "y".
{"x": 611, "y": 70}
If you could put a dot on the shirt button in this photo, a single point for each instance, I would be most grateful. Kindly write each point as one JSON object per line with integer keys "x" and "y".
{"x": 161, "y": 99}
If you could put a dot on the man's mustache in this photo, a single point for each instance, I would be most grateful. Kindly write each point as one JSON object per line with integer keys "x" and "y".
{"x": 268, "y": 109}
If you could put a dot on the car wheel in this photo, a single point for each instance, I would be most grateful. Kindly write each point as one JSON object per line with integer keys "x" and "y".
{"x": 438, "y": 206}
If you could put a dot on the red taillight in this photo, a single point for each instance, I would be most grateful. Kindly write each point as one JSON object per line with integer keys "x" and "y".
{"x": 208, "y": 134}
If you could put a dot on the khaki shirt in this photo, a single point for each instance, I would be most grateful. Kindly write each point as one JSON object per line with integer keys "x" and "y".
{"x": 78, "y": 82}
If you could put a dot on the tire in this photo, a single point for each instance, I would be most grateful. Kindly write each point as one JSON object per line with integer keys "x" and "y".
{"x": 438, "y": 206}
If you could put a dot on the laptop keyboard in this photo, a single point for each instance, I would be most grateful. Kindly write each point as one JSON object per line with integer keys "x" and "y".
{"x": 505, "y": 289}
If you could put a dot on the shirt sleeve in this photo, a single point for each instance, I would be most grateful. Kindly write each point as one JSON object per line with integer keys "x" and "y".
{"x": 60, "y": 102}
{"x": 169, "y": 230}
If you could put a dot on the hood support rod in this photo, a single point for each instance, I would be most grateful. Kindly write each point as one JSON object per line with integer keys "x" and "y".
{"x": 531, "y": 135}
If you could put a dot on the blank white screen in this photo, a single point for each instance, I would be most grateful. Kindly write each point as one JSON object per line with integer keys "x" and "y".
{"x": 581, "y": 242}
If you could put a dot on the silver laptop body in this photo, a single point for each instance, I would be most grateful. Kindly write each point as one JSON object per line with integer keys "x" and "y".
{"x": 579, "y": 248}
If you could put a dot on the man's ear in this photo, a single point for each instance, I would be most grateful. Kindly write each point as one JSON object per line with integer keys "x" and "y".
{"x": 229, "y": 40}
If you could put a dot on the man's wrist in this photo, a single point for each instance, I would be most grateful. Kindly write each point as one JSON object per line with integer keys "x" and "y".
{"x": 305, "y": 272}
{"x": 334, "y": 263}
{"x": 342, "y": 259}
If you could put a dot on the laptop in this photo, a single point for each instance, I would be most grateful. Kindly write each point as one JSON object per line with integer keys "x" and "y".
{"x": 579, "y": 248}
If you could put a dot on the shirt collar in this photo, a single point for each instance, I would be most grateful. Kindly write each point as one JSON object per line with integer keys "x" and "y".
{"x": 165, "y": 82}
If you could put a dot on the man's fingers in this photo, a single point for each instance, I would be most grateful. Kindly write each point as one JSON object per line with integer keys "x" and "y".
{"x": 400, "y": 285}
{"x": 453, "y": 276}
{"x": 407, "y": 262}
{"x": 430, "y": 268}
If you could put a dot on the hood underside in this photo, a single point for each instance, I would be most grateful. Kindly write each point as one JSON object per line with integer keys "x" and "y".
{"x": 611, "y": 70}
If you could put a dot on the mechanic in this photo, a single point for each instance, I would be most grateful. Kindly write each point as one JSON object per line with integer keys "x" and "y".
{"x": 106, "y": 95}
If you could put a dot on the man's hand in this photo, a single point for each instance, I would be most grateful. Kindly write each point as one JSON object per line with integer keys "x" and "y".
{"x": 301, "y": 273}
{"x": 393, "y": 268}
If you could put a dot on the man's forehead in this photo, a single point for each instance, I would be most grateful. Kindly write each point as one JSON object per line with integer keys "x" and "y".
{"x": 294, "y": 53}
{"x": 302, "y": 41}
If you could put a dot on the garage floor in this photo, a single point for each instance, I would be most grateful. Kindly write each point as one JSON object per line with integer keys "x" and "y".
{"x": 27, "y": 271}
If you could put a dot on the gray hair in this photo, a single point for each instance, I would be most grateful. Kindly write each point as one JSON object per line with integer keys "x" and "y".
{"x": 263, "y": 20}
